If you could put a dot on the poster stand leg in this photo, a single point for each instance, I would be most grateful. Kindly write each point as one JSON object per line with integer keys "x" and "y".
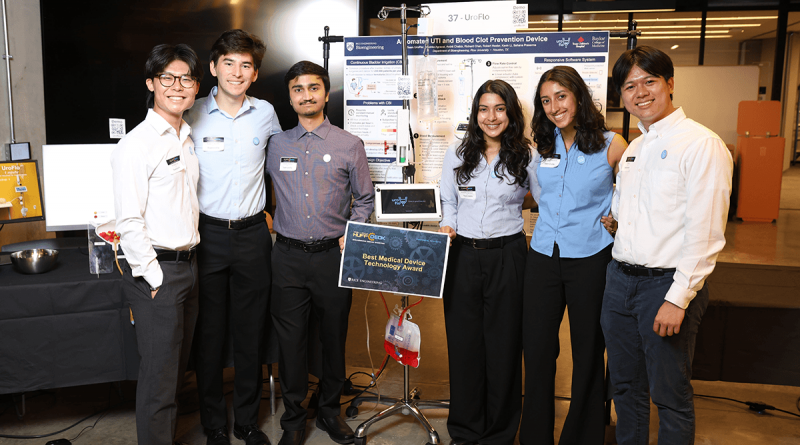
{"x": 409, "y": 404}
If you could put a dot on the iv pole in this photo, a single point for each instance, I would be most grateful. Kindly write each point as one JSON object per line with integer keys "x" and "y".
{"x": 631, "y": 34}
{"x": 326, "y": 51}
{"x": 409, "y": 404}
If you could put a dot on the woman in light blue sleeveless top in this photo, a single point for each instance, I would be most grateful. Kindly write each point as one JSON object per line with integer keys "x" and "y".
{"x": 572, "y": 176}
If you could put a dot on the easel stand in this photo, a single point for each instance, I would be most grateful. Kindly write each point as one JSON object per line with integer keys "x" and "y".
{"x": 409, "y": 404}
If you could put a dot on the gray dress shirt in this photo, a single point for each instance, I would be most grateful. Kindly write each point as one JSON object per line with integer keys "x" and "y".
{"x": 315, "y": 173}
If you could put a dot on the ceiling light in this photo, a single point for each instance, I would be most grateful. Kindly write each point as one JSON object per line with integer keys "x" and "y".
{"x": 674, "y": 47}
{"x": 642, "y": 37}
{"x": 590, "y": 7}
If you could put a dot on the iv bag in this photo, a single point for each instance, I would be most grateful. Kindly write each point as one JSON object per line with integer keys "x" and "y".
{"x": 427, "y": 98}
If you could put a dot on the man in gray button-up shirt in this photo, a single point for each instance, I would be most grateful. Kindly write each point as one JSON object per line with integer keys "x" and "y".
{"x": 316, "y": 169}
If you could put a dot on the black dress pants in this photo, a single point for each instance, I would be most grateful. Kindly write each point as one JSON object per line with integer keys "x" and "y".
{"x": 164, "y": 328}
{"x": 483, "y": 316}
{"x": 551, "y": 284}
{"x": 305, "y": 282}
{"x": 234, "y": 296}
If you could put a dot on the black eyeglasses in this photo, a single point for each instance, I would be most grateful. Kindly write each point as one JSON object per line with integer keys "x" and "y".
{"x": 167, "y": 80}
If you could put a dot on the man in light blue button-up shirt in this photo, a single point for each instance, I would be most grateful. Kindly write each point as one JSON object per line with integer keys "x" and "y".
{"x": 230, "y": 131}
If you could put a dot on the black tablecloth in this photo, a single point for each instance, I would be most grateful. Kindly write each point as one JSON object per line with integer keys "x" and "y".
{"x": 65, "y": 327}
{"x": 68, "y": 327}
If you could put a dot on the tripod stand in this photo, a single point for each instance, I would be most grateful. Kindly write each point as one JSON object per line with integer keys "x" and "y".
{"x": 409, "y": 404}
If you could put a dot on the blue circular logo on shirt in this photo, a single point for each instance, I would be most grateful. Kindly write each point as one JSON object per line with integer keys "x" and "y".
{"x": 255, "y": 141}
{"x": 581, "y": 160}
{"x": 663, "y": 154}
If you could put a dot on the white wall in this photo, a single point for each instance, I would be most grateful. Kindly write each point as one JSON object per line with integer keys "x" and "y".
{"x": 711, "y": 95}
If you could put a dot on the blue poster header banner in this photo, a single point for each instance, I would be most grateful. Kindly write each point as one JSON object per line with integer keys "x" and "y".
{"x": 519, "y": 43}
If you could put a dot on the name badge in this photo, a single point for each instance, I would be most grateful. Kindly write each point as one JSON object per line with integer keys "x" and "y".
{"x": 213, "y": 143}
{"x": 467, "y": 192}
{"x": 175, "y": 165}
{"x": 288, "y": 164}
{"x": 551, "y": 162}
{"x": 626, "y": 163}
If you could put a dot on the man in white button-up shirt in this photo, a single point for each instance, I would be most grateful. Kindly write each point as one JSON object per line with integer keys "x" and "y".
{"x": 155, "y": 200}
{"x": 671, "y": 203}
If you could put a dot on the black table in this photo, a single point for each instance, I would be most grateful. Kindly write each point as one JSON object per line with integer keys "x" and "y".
{"x": 68, "y": 327}
{"x": 62, "y": 328}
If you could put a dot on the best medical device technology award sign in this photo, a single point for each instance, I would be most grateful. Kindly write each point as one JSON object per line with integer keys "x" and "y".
{"x": 391, "y": 259}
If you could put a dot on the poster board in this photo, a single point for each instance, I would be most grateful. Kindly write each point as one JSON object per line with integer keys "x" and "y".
{"x": 77, "y": 185}
{"x": 20, "y": 194}
{"x": 464, "y": 62}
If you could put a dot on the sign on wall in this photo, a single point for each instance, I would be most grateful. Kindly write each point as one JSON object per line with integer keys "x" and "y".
{"x": 464, "y": 62}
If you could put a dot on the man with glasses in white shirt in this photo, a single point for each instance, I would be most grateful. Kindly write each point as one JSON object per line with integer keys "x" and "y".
{"x": 671, "y": 203}
{"x": 155, "y": 201}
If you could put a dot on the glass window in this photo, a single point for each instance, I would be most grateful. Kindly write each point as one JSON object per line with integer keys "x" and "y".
{"x": 675, "y": 33}
{"x": 743, "y": 38}
{"x": 541, "y": 23}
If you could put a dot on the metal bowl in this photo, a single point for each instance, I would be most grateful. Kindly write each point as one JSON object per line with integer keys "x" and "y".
{"x": 34, "y": 260}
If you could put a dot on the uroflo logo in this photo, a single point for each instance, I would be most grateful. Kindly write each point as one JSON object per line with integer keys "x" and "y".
{"x": 400, "y": 201}
{"x": 563, "y": 42}
{"x": 370, "y": 236}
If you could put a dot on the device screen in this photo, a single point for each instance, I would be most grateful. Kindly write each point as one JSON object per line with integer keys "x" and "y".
{"x": 408, "y": 201}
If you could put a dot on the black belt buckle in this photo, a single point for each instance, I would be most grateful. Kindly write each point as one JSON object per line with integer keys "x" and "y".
{"x": 232, "y": 222}
{"x": 308, "y": 248}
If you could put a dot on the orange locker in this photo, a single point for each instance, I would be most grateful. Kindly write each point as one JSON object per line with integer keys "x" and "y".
{"x": 760, "y": 161}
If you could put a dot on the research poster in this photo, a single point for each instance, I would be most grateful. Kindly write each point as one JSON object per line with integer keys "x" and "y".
{"x": 20, "y": 196}
{"x": 390, "y": 259}
{"x": 463, "y": 62}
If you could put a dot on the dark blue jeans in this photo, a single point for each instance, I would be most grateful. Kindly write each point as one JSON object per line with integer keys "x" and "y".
{"x": 640, "y": 361}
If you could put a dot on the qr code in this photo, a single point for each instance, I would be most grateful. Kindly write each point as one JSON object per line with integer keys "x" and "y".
{"x": 520, "y": 17}
{"x": 404, "y": 87}
{"x": 116, "y": 128}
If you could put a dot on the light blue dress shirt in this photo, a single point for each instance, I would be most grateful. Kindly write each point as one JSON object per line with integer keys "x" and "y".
{"x": 487, "y": 206}
{"x": 232, "y": 173}
{"x": 572, "y": 197}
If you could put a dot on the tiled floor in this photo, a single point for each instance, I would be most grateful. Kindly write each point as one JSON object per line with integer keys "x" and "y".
{"x": 718, "y": 421}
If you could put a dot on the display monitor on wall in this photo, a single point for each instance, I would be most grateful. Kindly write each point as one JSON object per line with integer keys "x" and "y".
{"x": 78, "y": 186}
{"x": 20, "y": 192}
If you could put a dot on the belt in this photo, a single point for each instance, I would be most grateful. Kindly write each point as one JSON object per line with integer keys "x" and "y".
{"x": 316, "y": 246}
{"x": 490, "y": 243}
{"x": 641, "y": 271}
{"x": 175, "y": 255}
{"x": 234, "y": 224}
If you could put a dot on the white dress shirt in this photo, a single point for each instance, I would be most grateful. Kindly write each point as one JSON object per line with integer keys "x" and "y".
{"x": 155, "y": 194}
{"x": 671, "y": 202}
